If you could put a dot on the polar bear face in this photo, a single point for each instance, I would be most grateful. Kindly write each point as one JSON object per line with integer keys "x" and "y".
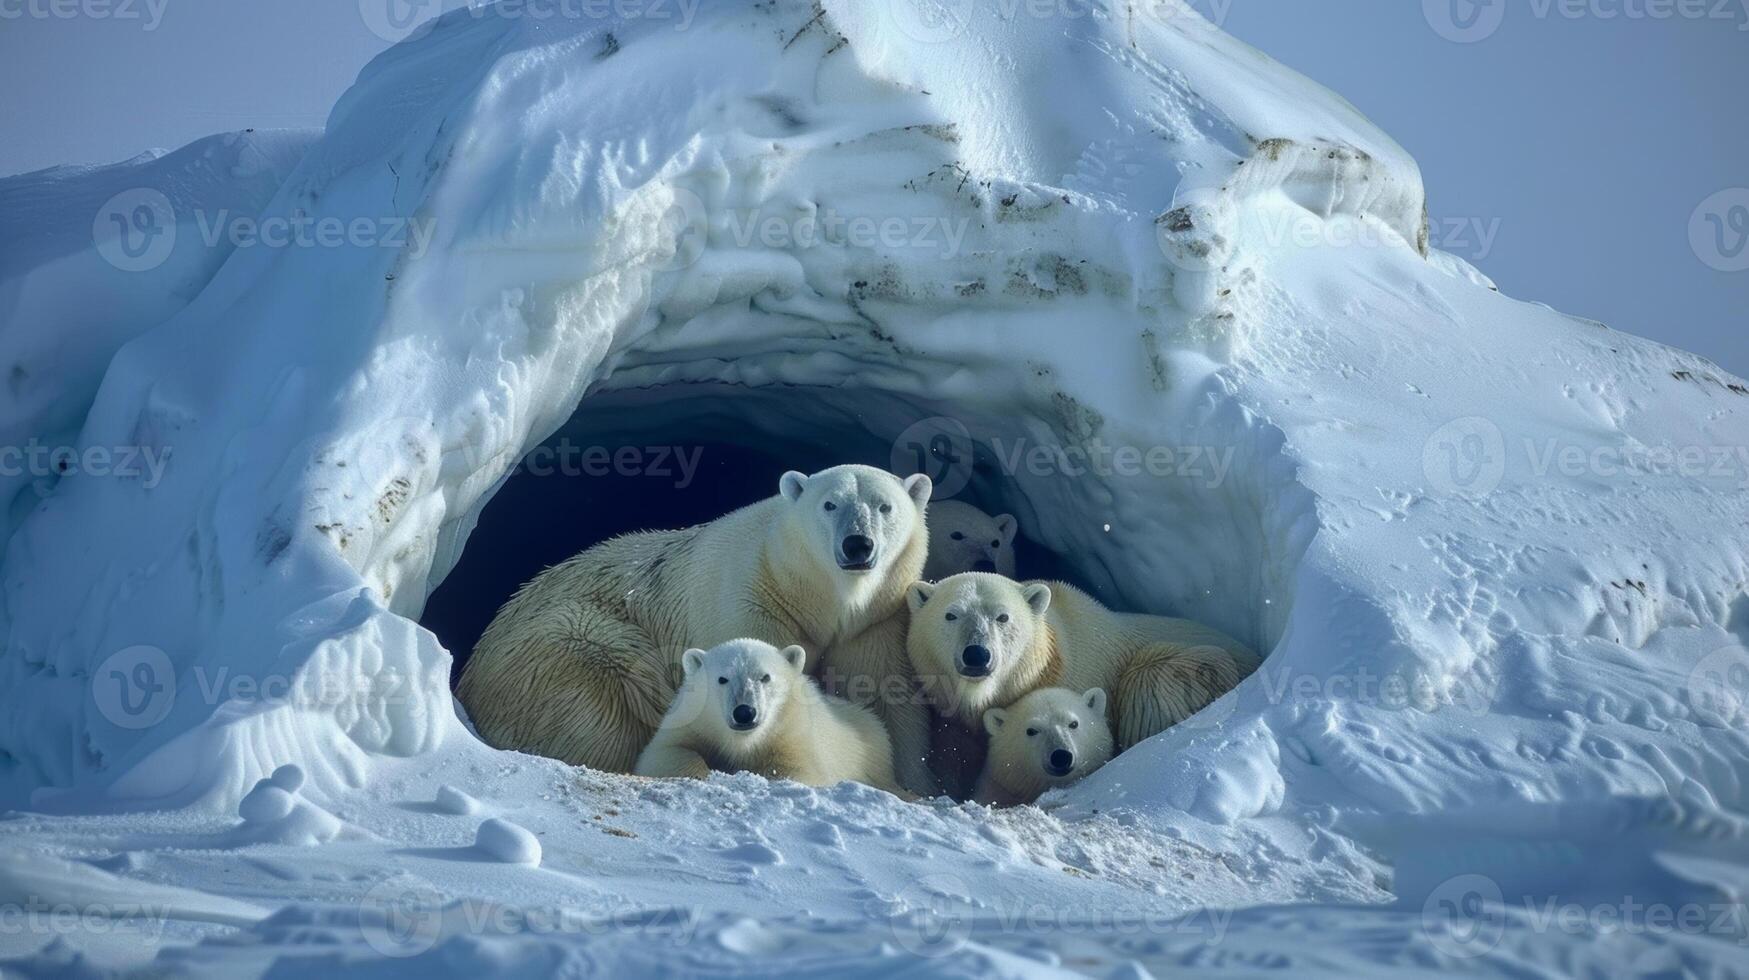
{"x": 963, "y": 538}
{"x": 970, "y": 635}
{"x": 859, "y": 518}
{"x": 737, "y": 689}
{"x": 1049, "y": 738}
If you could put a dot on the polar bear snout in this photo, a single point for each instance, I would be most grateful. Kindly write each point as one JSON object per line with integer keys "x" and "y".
{"x": 983, "y": 565}
{"x": 856, "y": 553}
{"x": 1061, "y": 762}
{"x": 744, "y": 718}
{"x": 975, "y": 661}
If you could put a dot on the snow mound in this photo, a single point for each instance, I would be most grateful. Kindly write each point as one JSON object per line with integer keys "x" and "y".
{"x": 455, "y": 802}
{"x": 501, "y": 840}
{"x": 1494, "y": 553}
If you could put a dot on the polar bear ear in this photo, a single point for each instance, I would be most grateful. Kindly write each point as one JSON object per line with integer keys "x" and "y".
{"x": 1095, "y": 699}
{"x": 919, "y": 488}
{"x": 798, "y": 656}
{"x": 1006, "y": 525}
{"x": 918, "y": 594}
{"x": 994, "y": 719}
{"x": 791, "y": 485}
{"x": 1038, "y": 597}
{"x": 691, "y": 660}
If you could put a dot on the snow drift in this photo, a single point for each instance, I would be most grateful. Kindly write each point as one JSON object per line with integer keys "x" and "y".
{"x": 1494, "y": 552}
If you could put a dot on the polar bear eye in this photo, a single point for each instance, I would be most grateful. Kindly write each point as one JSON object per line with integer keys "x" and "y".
{"x": 1031, "y": 732}
{"x": 996, "y": 543}
{"x": 957, "y": 536}
{"x": 831, "y": 506}
{"x": 951, "y": 617}
{"x": 722, "y": 680}
{"x": 766, "y": 679}
{"x": 1074, "y": 724}
{"x": 1001, "y": 617}
{"x": 886, "y": 508}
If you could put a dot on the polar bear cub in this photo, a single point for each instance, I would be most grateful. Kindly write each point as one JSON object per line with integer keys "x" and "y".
{"x": 963, "y": 538}
{"x": 978, "y": 641}
{"x": 746, "y": 706}
{"x": 1050, "y": 738}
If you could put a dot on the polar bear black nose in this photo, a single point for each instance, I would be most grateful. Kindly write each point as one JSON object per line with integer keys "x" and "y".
{"x": 858, "y": 548}
{"x": 1062, "y": 760}
{"x": 745, "y": 715}
{"x": 975, "y": 661}
{"x": 983, "y": 565}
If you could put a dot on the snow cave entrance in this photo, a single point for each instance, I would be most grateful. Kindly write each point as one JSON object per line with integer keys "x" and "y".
{"x": 1217, "y": 544}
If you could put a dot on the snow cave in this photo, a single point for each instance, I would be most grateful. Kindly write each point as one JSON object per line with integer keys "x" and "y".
{"x": 675, "y": 455}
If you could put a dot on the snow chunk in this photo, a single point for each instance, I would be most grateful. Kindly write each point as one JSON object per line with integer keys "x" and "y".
{"x": 505, "y": 842}
{"x": 273, "y": 813}
{"x": 453, "y": 801}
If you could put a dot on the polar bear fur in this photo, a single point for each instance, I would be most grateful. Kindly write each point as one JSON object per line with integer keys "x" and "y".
{"x": 979, "y": 641}
{"x": 1050, "y": 738}
{"x": 963, "y": 538}
{"x": 582, "y": 662}
{"x": 746, "y": 706}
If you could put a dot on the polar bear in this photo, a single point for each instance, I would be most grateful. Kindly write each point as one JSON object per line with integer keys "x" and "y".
{"x": 1050, "y": 738}
{"x": 746, "y": 706}
{"x": 979, "y": 640}
{"x": 963, "y": 538}
{"x": 581, "y": 663}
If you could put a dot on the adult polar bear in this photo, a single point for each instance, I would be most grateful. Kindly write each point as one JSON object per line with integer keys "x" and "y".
{"x": 582, "y": 663}
{"x": 979, "y": 641}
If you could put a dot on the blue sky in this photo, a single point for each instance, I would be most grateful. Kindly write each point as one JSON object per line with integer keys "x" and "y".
{"x": 1590, "y": 154}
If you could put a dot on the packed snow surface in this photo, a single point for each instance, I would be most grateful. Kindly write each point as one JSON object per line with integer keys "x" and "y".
{"x": 1495, "y": 554}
